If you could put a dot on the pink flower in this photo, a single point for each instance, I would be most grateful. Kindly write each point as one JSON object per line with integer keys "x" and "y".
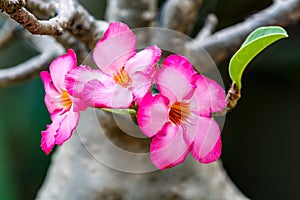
{"x": 123, "y": 74}
{"x": 59, "y": 103}
{"x": 179, "y": 118}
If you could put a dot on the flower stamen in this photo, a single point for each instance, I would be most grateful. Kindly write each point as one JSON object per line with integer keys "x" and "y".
{"x": 65, "y": 99}
{"x": 122, "y": 78}
{"x": 179, "y": 112}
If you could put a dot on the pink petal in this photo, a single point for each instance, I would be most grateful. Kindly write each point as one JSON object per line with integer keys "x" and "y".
{"x": 106, "y": 94}
{"x": 206, "y": 146}
{"x": 48, "y": 139}
{"x": 144, "y": 61}
{"x": 67, "y": 125}
{"x": 115, "y": 48}
{"x": 48, "y": 136}
{"x": 214, "y": 154}
{"x": 141, "y": 84}
{"x": 208, "y": 97}
{"x": 168, "y": 147}
{"x": 59, "y": 68}
{"x": 175, "y": 78}
{"x": 122, "y": 97}
{"x": 95, "y": 94}
{"x": 78, "y": 77}
{"x": 152, "y": 114}
{"x": 52, "y": 95}
{"x": 78, "y": 105}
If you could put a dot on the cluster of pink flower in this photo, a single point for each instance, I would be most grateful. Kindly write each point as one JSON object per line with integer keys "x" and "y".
{"x": 178, "y": 118}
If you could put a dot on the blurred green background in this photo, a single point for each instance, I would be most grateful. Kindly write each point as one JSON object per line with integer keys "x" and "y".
{"x": 260, "y": 137}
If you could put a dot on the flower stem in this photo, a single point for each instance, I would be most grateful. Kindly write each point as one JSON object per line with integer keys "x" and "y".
{"x": 127, "y": 111}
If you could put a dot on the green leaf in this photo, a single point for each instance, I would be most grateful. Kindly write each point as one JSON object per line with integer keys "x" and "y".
{"x": 257, "y": 41}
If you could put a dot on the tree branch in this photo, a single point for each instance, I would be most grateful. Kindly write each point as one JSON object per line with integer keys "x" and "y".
{"x": 55, "y": 26}
{"x": 209, "y": 26}
{"x": 67, "y": 40}
{"x": 30, "y": 68}
{"x": 86, "y": 28}
{"x": 180, "y": 15}
{"x": 224, "y": 43}
{"x": 25, "y": 70}
{"x": 135, "y": 13}
{"x": 41, "y": 8}
{"x": 79, "y": 157}
{"x": 10, "y": 6}
{"x": 72, "y": 161}
{"x": 81, "y": 24}
{"x": 7, "y": 33}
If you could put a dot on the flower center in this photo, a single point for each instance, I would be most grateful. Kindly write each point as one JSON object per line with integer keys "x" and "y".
{"x": 179, "y": 112}
{"x": 65, "y": 99}
{"x": 122, "y": 78}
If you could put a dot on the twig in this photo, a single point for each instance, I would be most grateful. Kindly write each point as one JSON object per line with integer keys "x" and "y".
{"x": 25, "y": 70}
{"x": 48, "y": 48}
{"x": 138, "y": 13}
{"x": 232, "y": 97}
{"x": 41, "y": 8}
{"x": 180, "y": 15}
{"x": 69, "y": 41}
{"x": 86, "y": 28}
{"x": 54, "y": 26}
{"x": 7, "y": 33}
{"x": 81, "y": 24}
{"x": 70, "y": 16}
{"x": 11, "y": 5}
{"x": 209, "y": 26}
{"x": 224, "y": 43}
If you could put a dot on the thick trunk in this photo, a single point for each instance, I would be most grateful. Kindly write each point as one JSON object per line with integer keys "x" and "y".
{"x": 91, "y": 166}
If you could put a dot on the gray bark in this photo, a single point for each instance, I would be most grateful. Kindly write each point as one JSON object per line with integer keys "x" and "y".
{"x": 75, "y": 173}
{"x": 180, "y": 15}
{"x": 135, "y": 13}
{"x": 79, "y": 169}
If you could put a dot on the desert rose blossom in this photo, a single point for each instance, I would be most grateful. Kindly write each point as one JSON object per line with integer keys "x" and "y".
{"x": 179, "y": 117}
{"x": 123, "y": 76}
{"x": 59, "y": 103}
